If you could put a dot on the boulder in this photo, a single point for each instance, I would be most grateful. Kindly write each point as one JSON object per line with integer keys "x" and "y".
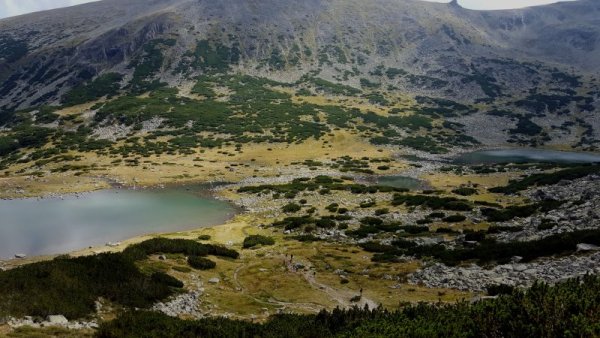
{"x": 57, "y": 320}
{"x": 587, "y": 247}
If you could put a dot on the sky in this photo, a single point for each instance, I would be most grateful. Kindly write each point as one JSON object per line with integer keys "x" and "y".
{"x": 498, "y": 4}
{"x": 17, "y": 7}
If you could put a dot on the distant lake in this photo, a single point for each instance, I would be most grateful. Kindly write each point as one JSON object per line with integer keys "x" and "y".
{"x": 55, "y": 225}
{"x": 401, "y": 182}
{"x": 526, "y": 156}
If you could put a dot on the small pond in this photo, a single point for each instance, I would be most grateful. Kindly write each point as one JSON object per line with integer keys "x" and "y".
{"x": 398, "y": 181}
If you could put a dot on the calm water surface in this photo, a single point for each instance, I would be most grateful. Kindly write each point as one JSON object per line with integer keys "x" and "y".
{"x": 526, "y": 156}
{"x": 50, "y": 226}
{"x": 401, "y": 182}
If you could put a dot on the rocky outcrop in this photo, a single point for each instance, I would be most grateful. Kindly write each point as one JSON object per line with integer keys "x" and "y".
{"x": 51, "y": 321}
{"x": 580, "y": 211}
{"x": 476, "y": 278}
{"x": 184, "y": 304}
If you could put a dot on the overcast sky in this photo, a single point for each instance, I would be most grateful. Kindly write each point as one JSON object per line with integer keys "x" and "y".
{"x": 16, "y": 7}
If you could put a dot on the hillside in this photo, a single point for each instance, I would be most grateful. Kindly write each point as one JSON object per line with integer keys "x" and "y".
{"x": 495, "y": 71}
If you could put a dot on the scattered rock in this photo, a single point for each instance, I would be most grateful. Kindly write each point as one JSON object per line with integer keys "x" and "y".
{"x": 476, "y": 278}
{"x": 587, "y": 247}
{"x": 53, "y": 320}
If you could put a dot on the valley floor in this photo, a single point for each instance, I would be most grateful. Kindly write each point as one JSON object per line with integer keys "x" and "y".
{"x": 333, "y": 268}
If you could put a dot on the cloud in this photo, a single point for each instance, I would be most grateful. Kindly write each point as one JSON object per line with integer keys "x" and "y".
{"x": 18, "y": 7}
{"x": 500, "y": 4}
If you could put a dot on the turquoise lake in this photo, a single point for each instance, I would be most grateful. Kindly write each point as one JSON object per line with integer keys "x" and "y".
{"x": 59, "y": 225}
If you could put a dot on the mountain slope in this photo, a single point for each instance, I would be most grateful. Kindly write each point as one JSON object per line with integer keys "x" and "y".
{"x": 525, "y": 76}
{"x": 423, "y": 36}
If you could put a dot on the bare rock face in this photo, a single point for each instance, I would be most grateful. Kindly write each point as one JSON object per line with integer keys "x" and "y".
{"x": 445, "y": 47}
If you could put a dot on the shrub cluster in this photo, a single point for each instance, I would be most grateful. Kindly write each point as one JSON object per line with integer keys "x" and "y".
{"x": 254, "y": 240}
{"x": 176, "y": 246}
{"x": 70, "y": 286}
{"x": 547, "y": 179}
{"x": 489, "y": 251}
{"x": 432, "y": 202}
{"x": 201, "y": 263}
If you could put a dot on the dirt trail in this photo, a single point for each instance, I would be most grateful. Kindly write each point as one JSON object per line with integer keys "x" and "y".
{"x": 311, "y": 307}
{"x": 342, "y": 297}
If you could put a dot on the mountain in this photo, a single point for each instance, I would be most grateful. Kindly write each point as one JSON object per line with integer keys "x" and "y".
{"x": 516, "y": 65}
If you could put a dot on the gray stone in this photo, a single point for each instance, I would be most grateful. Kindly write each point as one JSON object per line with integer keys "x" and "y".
{"x": 57, "y": 320}
{"x": 587, "y": 247}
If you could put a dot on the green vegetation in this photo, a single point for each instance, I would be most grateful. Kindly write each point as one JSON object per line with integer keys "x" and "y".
{"x": 204, "y": 87}
{"x": 487, "y": 83}
{"x": 538, "y": 103}
{"x": 547, "y": 179}
{"x": 176, "y": 246}
{"x": 163, "y": 278}
{"x": 253, "y": 113}
{"x": 12, "y": 50}
{"x": 255, "y": 240}
{"x": 70, "y": 286}
{"x": 490, "y": 251}
{"x": 526, "y": 127}
{"x": 24, "y": 136}
{"x": 433, "y": 202}
{"x": 514, "y": 211}
{"x": 454, "y": 218}
{"x": 428, "y": 82}
{"x": 423, "y": 143}
{"x": 104, "y": 85}
{"x": 201, "y": 263}
{"x": 392, "y": 73}
{"x": 374, "y": 225}
{"x": 320, "y": 182}
{"x": 465, "y": 191}
{"x": 538, "y": 312}
{"x": 333, "y": 88}
{"x": 308, "y": 223}
{"x": 291, "y": 208}
{"x": 148, "y": 65}
{"x": 214, "y": 57}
